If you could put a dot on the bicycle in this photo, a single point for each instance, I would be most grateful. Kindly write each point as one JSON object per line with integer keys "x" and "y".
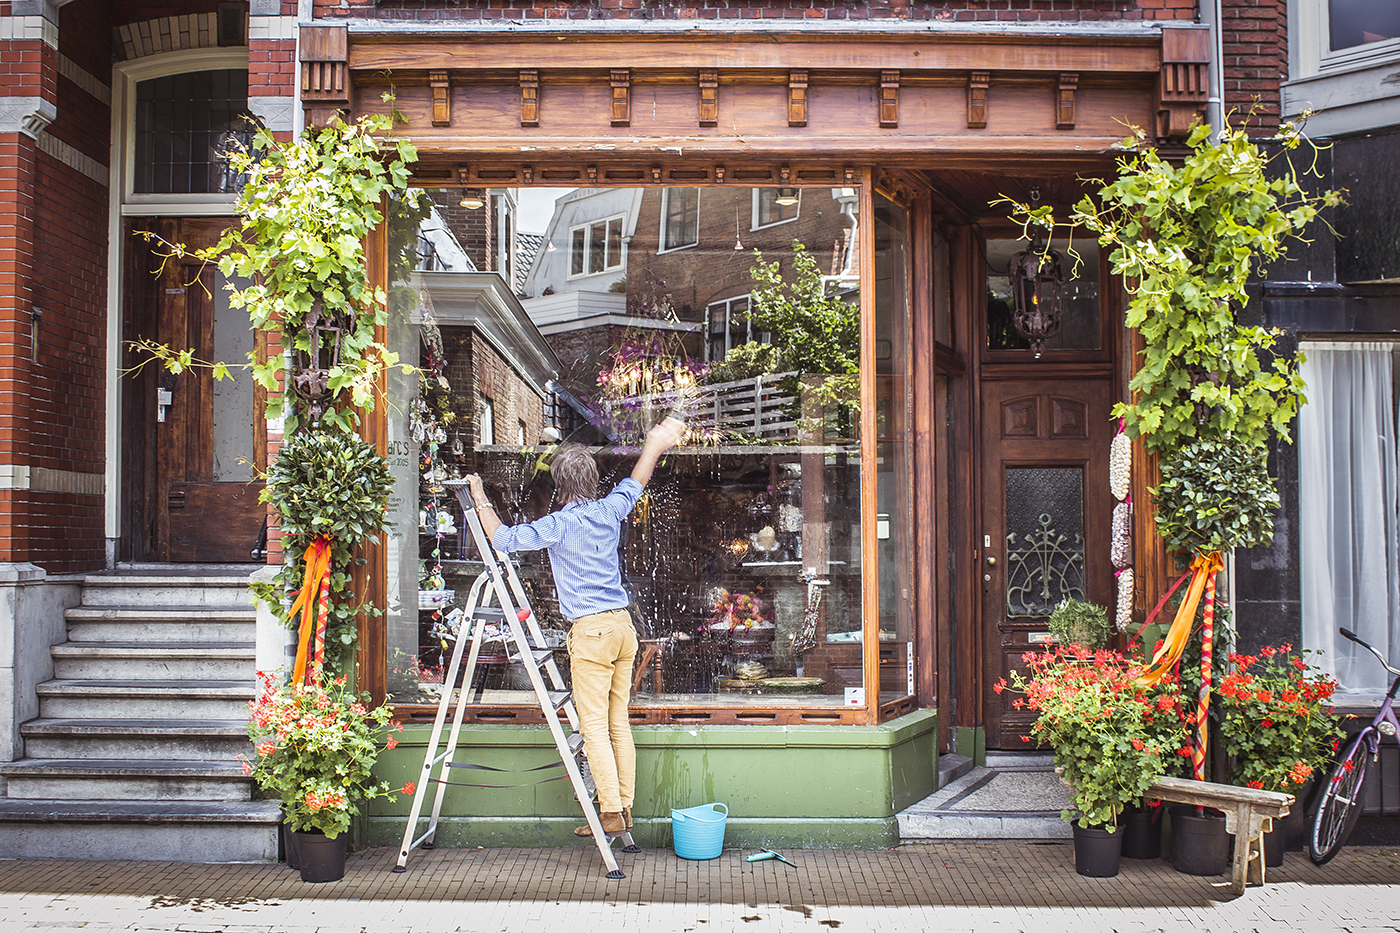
{"x": 1339, "y": 804}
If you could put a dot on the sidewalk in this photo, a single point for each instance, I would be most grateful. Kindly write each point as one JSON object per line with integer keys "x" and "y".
{"x": 942, "y": 886}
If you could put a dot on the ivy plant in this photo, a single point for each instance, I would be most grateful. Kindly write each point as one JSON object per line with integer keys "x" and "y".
{"x": 1208, "y": 391}
{"x": 305, "y": 211}
{"x": 1186, "y": 238}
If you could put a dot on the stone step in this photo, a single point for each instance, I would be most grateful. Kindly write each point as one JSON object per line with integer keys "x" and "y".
{"x": 169, "y": 587}
{"x": 125, "y": 779}
{"x": 986, "y": 803}
{"x": 194, "y": 661}
{"x": 164, "y": 830}
{"x": 134, "y": 738}
{"x": 162, "y": 625}
{"x": 77, "y": 699}
{"x": 952, "y": 767}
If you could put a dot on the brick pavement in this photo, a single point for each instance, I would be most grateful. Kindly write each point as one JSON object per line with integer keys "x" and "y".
{"x": 947, "y": 887}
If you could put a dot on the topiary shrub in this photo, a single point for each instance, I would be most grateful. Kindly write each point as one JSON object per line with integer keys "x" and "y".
{"x": 1074, "y": 621}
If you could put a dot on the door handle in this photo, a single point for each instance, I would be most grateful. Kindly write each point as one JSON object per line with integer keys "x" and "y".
{"x": 165, "y": 394}
{"x": 991, "y": 561}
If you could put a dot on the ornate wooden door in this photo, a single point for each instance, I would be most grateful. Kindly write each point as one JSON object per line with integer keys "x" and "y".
{"x": 1046, "y": 513}
{"x": 203, "y": 446}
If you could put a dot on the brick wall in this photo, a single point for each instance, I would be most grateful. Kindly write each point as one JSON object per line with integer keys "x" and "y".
{"x": 713, "y": 269}
{"x": 1023, "y": 11}
{"x": 512, "y": 401}
{"x": 1254, "y": 36}
{"x": 54, "y": 251}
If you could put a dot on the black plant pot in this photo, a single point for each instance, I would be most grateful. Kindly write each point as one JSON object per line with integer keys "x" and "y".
{"x": 1142, "y": 832}
{"x": 1286, "y": 836}
{"x": 290, "y": 847}
{"x": 1097, "y": 851}
{"x": 321, "y": 859}
{"x": 1200, "y": 845}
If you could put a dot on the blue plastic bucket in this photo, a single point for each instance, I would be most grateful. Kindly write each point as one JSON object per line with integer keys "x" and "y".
{"x": 698, "y": 832}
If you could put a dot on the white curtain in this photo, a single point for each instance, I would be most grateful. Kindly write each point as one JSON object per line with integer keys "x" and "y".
{"x": 1347, "y": 498}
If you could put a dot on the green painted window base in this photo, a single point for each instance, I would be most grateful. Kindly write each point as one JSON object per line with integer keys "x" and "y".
{"x": 795, "y": 786}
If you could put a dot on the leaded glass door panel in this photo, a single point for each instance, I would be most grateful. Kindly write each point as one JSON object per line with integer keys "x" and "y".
{"x": 1046, "y": 512}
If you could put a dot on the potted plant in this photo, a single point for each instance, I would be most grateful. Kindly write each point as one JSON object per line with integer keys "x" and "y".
{"x": 1110, "y": 735}
{"x": 315, "y": 747}
{"x": 1277, "y": 726}
{"x": 1074, "y": 621}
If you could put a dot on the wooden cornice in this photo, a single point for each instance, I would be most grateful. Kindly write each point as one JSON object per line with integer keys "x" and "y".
{"x": 669, "y": 53}
{"x": 1052, "y": 98}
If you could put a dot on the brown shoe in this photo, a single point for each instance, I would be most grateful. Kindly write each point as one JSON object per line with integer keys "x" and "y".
{"x": 613, "y": 825}
{"x": 627, "y": 817}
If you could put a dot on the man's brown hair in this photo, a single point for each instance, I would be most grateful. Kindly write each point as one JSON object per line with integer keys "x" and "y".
{"x": 575, "y": 474}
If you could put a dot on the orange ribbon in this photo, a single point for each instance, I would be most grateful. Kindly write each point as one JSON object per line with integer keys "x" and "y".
{"x": 1203, "y": 568}
{"x": 318, "y": 569}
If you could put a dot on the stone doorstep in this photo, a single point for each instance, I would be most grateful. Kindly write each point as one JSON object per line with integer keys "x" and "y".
{"x": 164, "y": 830}
{"x": 126, "y": 779}
{"x": 126, "y": 767}
{"x": 149, "y": 688}
{"x": 140, "y": 811}
{"x": 952, "y": 767}
{"x": 197, "y": 739}
{"x": 192, "y": 660}
{"x": 160, "y": 613}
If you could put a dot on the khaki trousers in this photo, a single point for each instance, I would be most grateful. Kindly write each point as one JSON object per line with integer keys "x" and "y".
{"x": 602, "y": 648}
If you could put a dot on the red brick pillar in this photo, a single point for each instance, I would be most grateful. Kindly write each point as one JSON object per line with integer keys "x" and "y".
{"x": 29, "y": 104}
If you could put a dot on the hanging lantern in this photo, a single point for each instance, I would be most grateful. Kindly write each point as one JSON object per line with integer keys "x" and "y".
{"x": 1037, "y": 288}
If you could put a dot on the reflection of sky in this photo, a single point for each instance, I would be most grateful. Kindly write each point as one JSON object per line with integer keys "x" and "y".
{"x": 536, "y": 206}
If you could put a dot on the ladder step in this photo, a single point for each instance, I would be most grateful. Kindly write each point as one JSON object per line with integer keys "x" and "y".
{"x": 488, "y": 612}
{"x": 557, "y": 698}
{"x": 576, "y": 743}
{"x": 541, "y": 655}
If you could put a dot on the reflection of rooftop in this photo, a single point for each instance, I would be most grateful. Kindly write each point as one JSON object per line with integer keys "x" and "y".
{"x": 576, "y": 310}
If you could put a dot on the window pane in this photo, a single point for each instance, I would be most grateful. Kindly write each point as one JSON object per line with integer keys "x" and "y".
{"x": 1079, "y": 329}
{"x": 180, "y": 123}
{"x": 682, "y": 217}
{"x": 597, "y": 248}
{"x": 578, "y": 251}
{"x": 614, "y": 243}
{"x": 770, "y": 211}
{"x": 894, "y": 527}
{"x": 1361, "y": 22}
{"x": 742, "y": 561}
{"x": 1044, "y": 539}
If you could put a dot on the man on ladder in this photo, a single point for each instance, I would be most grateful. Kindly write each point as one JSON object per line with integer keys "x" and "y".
{"x": 582, "y": 540}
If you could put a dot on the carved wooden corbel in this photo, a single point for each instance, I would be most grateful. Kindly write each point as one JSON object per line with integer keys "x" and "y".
{"x": 1064, "y": 100}
{"x": 797, "y": 98}
{"x": 529, "y": 97}
{"x": 592, "y": 171}
{"x": 621, "y": 79}
{"x": 709, "y": 98}
{"x": 442, "y": 105}
{"x": 1182, "y": 83}
{"x": 655, "y": 174}
{"x": 719, "y": 174}
{"x": 889, "y": 99}
{"x": 325, "y": 73}
{"x": 527, "y": 174}
{"x": 977, "y": 84}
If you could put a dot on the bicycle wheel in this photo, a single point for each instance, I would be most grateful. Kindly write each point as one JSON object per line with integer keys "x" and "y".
{"x": 1339, "y": 806}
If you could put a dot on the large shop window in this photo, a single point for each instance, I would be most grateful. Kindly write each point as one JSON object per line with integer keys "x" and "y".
{"x": 1349, "y": 534}
{"x": 743, "y": 558}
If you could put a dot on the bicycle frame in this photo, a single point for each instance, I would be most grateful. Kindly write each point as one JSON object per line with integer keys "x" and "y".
{"x": 1385, "y": 723}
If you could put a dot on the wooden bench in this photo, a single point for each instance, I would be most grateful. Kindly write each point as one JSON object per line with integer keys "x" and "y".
{"x": 1245, "y": 808}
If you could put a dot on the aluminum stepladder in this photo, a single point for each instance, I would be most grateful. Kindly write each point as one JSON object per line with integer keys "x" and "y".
{"x": 527, "y": 645}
